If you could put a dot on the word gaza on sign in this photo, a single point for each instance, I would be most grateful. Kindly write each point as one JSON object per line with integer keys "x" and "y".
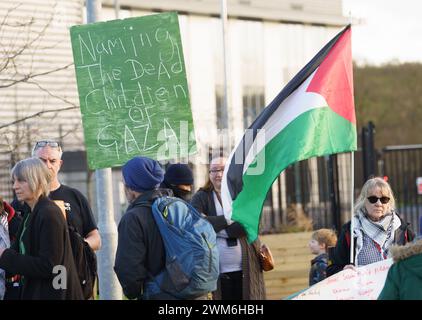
{"x": 133, "y": 91}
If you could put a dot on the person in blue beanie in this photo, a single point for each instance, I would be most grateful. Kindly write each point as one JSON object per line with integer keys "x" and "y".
{"x": 179, "y": 179}
{"x": 140, "y": 250}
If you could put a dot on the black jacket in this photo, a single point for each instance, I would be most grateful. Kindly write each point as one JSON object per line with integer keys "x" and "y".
{"x": 140, "y": 249}
{"x": 47, "y": 245}
{"x": 339, "y": 256}
{"x": 203, "y": 201}
{"x": 253, "y": 287}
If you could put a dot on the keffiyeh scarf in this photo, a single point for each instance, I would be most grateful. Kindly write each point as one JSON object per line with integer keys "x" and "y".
{"x": 381, "y": 232}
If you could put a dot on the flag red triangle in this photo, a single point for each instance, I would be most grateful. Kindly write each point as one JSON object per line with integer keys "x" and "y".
{"x": 334, "y": 78}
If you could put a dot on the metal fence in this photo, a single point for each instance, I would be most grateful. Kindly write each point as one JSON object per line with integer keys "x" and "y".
{"x": 315, "y": 193}
{"x": 310, "y": 194}
{"x": 320, "y": 188}
{"x": 402, "y": 165}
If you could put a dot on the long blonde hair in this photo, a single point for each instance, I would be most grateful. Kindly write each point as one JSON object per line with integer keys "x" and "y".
{"x": 370, "y": 185}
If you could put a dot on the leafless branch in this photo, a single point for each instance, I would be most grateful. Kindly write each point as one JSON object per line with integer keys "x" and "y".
{"x": 25, "y": 78}
{"x": 12, "y": 52}
{"x": 52, "y": 94}
{"x": 37, "y": 114}
{"x": 20, "y": 55}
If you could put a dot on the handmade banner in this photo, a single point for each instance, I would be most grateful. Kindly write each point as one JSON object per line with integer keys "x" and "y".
{"x": 365, "y": 283}
{"x": 133, "y": 91}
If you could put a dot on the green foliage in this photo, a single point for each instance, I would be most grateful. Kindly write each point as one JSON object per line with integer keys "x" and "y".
{"x": 390, "y": 97}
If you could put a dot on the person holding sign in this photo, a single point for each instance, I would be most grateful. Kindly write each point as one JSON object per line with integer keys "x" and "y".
{"x": 77, "y": 212}
{"x": 376, "y": 227}
{"x": 41, "y": 254}
{"x": 77, "y": 207}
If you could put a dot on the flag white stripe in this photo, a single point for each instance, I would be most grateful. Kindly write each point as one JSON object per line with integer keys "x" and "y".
{"x": 292, "y": 107}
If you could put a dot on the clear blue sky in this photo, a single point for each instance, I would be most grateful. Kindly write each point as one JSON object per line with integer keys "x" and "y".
{"x": 389, "y": 30}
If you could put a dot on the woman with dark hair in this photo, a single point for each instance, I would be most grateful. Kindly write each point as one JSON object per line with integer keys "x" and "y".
{"x": 41, "y": 254}
{"x": 241, "y": 275}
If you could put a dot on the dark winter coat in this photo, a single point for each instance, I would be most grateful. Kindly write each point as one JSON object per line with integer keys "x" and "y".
{"x": 140, "y": 249}
{"x": 340, "y": 256}
{"x": 318, "y": 270}
{"x": 47, "y": 245}
{"x": 404, "y": 279}
{"x": 253, "y": 279}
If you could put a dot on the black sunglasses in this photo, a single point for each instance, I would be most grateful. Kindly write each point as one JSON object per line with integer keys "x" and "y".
{"x": 43, "y": 143}
{"x": 374, "y": 199}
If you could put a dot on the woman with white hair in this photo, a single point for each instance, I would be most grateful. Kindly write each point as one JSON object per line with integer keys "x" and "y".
{"x": 41, "y": 254}
{"x": 377, "y": 226}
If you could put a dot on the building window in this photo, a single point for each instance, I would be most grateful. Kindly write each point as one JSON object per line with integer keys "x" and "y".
{"x": 221, "y": 116}
{"x": 253, "y": 104}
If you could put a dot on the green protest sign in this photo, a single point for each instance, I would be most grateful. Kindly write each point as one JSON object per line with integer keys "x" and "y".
{"x": 133, "y": 92}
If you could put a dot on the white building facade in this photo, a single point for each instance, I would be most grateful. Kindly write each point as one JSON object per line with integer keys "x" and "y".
{"x": 268, "y": 42}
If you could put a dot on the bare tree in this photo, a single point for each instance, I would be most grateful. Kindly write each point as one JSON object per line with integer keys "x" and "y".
{"x": 13, "y": 73}
{"x": 23, "y": 69}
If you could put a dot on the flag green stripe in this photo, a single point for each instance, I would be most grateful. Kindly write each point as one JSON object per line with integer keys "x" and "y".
{"x": 314, "y": 133}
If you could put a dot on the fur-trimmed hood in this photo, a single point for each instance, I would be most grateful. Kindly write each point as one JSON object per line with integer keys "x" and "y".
{"x": 403, "y": 252}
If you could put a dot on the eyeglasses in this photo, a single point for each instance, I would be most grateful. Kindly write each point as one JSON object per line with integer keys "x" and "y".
{"x": 374, "y": 199}
{"x": 43, "y": 143}
{"x": 215, "y": 171}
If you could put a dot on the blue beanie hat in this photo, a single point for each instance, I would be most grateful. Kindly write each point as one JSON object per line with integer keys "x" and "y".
{"x": 142, "y": 174}
{"x": 178, "y": 173}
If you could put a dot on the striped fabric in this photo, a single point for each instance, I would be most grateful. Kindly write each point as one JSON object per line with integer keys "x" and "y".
{"x": 3, "y": 221}
{"x": 313, "y": 115}
{"x": 374, "y": 238}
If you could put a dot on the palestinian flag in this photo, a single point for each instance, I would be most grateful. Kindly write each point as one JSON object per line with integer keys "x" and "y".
{"x": 312, "y": 116}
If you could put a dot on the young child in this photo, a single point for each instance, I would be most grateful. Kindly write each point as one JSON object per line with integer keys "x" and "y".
{"x": 320, "y": 241}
